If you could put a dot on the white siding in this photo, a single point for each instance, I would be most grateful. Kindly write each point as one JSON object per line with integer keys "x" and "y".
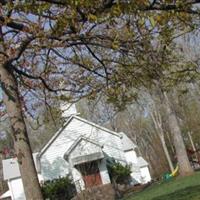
{"x": 16, "y": 188}
{"x": 136, "y": 177}
{"x": 52, "y": 168}
{"x": 131, "y": 157}
{"x": 53, "y": 164}
{"x": 145, "y": 174}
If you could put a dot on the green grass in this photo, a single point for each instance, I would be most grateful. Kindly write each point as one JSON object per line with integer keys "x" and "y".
{"x": 180, "y": 188}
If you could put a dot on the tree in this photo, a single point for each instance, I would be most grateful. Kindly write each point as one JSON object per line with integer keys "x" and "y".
{"x": 183, "y": 161}
{"x": 21, "y": 142}
{"x": 157, "y": 120}
{"x": 82, "y": 43}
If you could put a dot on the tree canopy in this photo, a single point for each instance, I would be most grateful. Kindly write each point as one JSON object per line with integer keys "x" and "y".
{"x": 108, "y": 46}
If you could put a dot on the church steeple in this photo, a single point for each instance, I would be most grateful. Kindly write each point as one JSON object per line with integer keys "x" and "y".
{"x": 68, "y": 109}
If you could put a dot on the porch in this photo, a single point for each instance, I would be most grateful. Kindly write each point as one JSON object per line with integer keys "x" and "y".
{"x": 87, "y": 164}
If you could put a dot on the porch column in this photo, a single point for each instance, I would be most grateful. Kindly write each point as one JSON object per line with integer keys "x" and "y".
{"x": 77, "y": 178}
{"x": 104, "y": 172}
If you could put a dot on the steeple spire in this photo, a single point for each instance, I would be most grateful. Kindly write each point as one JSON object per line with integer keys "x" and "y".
{"x": 68, "y": 109}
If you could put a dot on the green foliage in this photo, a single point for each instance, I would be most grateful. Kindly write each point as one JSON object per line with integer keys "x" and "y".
{"x": 59, "y": 189}
{"x": 119, "y": 173}
{"x": 115, "y": 45}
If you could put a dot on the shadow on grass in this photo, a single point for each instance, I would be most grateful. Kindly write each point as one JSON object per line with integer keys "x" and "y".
{"x": 189, "y": 193}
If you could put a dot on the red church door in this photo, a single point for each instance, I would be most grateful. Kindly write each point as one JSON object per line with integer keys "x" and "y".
{"x": 91, "y": 174}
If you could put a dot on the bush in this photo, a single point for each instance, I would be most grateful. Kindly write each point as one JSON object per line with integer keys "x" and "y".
{"x": 59, "y": 189}
{"x": 118, "y": 173}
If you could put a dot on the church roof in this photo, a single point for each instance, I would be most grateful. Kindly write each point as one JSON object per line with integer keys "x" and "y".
{"x": 89, "y": 151}
{"x": 76, "y": 142}
{"x": 127, "y": 143}
{"x": 66, "y": 124}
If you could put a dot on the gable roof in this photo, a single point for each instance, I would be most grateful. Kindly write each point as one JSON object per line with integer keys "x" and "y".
{"x": 76, "y": 142}
{"x": 66, "y": 124}
{"x": 11, "y": 167}
{"x": 97, "y": 126}
{"x": 127, "y": 143}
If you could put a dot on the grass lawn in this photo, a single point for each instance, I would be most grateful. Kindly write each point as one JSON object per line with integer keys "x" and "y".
{"x": 180, "y": 188}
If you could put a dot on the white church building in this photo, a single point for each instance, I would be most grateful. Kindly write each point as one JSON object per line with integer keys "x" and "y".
{"x": 79, "y": 144}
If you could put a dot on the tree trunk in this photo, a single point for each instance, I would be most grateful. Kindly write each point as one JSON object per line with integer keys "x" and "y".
{"x": 159, "y": 129}
{"x": 183, "y": 162}
{"x": 192, "y": 143}
{"x": 22, "y": 147}
{"x": 166, "y": 153}
{"x": 168, "y": 136}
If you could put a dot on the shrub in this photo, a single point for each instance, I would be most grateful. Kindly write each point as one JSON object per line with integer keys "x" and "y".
{"x": 59, "y": 189}
{"x": 118, "y": 172}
